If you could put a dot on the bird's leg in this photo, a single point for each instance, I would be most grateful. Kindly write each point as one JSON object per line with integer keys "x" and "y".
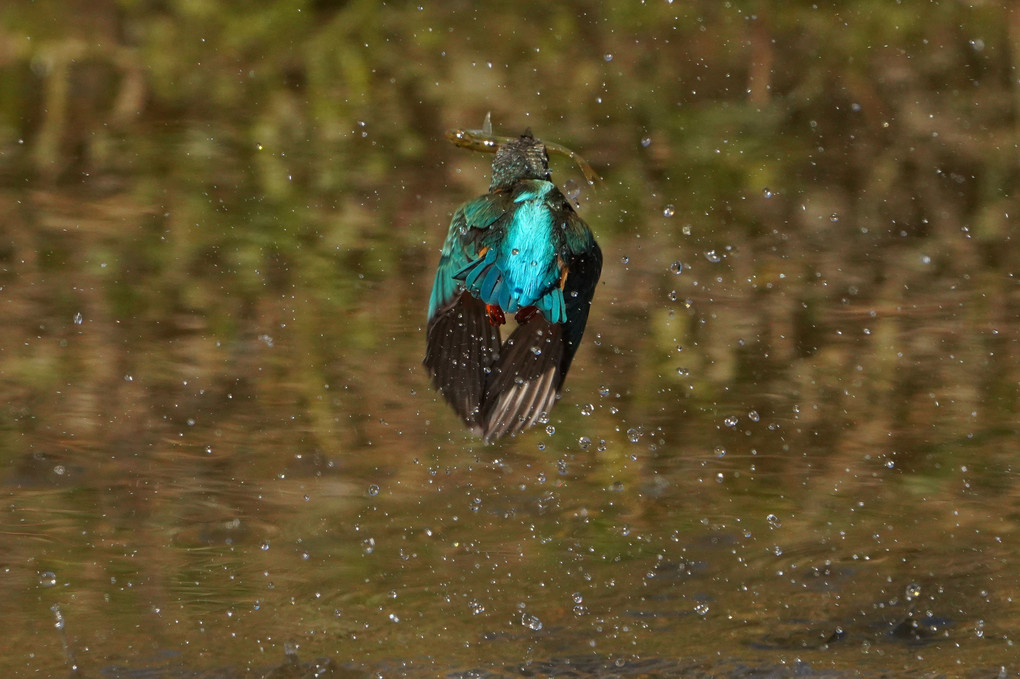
{"x": 525, "y": 314}
{"x": 496, "y": 317}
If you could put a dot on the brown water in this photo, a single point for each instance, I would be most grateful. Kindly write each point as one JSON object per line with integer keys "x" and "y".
{"x": 788, "y": 445}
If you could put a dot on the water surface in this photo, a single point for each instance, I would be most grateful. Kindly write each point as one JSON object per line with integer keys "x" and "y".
{"x": 787, "y": 446}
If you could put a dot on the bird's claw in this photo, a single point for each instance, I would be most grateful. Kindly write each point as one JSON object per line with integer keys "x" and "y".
{"x": 496, "y": 316}
{"x": 525, "y": 314}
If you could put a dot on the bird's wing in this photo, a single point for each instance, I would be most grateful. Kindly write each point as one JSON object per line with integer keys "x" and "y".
{"x": 525, "y": 380}
{"x": 470, "y": 222}
{"x": 461, "y": 344}
{"x": 461, "y": 347}
{"x": 584, "y": 266}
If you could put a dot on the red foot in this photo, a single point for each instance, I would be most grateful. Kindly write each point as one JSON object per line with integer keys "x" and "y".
{"x": 496, "y": 316}
{"x": 525, "y": 314}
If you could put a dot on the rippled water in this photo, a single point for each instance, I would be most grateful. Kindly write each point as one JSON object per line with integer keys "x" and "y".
{"x": 735, "y": 479}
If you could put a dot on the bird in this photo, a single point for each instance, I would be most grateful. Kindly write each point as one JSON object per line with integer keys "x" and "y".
{"x": 518, "y": 252}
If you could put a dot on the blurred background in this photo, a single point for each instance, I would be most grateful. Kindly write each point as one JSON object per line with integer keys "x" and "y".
{"x": 787, "y": 447}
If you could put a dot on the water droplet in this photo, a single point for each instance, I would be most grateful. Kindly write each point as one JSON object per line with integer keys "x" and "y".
{"x": 773, "y": 521}
{"x": 646, "y": 141}
{"x": 925, "y": 259}
{"x": 47, "y": 579}
{"x": 683, "y": 372}
{"x": 677, "y": 267}
{"x": 78, "y": 318}
{"x": 531, "y": 621}
{"x": 669, "y": 211}
{"x": 767, "y": 192}
{"x": 625, "y": 259}
{"x": 373, "y": 490}
{"x": 515, "y": 251}
{"x": 753, "y": 416}
{"x": 584, "y": 442}
{"x": 834, "y": 217}
{"x": 550, "y": 430}
{"x": 713, "y": 256}
{"x": 720, "y": 451}
{"x": 634, "y": 434}
{"x": 368, "y": 545}
{"x": 608, "y": 57}
{"x": 913, "y": 591}
{"x": 588, "y": 409}
{"x": 701, "y": 609}
{"x": 603, "y": 390}
{"x": 730, "y": 421}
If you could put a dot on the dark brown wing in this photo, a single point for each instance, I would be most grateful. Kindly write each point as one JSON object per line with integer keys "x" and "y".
{"x": 460, "y": 350}
{"x": 583, "y": 271}
{"x": 525, "y": 380}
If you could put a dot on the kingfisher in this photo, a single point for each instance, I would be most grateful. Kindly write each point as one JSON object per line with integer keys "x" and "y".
{"x": 518, "y": 254}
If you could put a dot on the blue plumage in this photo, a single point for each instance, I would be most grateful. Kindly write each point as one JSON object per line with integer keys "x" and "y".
{"x": 519, "y": 249}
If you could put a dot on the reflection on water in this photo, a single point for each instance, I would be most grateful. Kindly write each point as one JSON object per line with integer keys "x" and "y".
{"x": 745, "y": 471}
{"x": 787, "y": 445}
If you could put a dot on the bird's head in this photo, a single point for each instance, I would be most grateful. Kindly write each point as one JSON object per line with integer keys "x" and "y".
{"x": 519, "y": 159}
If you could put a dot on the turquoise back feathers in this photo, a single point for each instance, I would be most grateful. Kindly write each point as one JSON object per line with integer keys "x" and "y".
{"x": 521, "y": 268}
{"x": 518, "y": 250}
